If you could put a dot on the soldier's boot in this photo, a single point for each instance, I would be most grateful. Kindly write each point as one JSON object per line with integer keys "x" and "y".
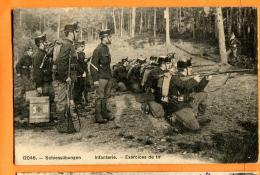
{"x": 105, "y": 112}
{"x": 98, "y": 113}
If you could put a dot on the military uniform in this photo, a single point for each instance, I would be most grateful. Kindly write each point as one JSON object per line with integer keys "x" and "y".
{"x": 81, "y": 82}
{"x": 67, "y": 60}
{"x": 101, "y": 72}
{"x": 153, "y": 91}
{"x": 186, "y": 99}
{"x": 23, "y": 67}
{"x": 43, "y": 76}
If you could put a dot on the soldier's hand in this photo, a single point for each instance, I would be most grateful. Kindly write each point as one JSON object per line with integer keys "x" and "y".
{"x": 68, "y": 80}
{"x": 18, "y": 75}
{"x": 39, "y": 90}
{"x": 84, "y": 74}
{"x": 197, "y": 78}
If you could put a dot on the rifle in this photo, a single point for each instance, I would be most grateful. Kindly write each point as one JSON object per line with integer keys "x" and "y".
{"x": 204, "y": 65}
{"x": 48, "y": 53}
{"x": 229, "y": 71}
{"x": 70, "y": 127}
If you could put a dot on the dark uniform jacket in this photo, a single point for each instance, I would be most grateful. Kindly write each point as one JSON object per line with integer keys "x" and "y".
{"x": 101, "y": 60}
{"x": 43, "y": 74}
{"x": 120, "y": 73}
{"x": 81, "y": 64}
{"x": 181, "y": 88}
{"x": 152, "y": 84}
{"x": 67, "y": 51}
{"x": 23, "y": 66}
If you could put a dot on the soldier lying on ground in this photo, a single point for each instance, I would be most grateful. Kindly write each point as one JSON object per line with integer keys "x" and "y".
{"x": 134, "y": 74}
{"x": 181, "y": 97}
{"x": 120, "y": 74}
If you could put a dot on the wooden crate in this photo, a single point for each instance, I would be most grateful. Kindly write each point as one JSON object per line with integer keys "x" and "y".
{"x": 29, "y": 94}
{"x": 39, "y": 110}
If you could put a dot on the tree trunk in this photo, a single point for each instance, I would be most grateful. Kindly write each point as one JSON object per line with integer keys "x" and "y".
{"x": 193, "y": 26}
{"x": 221, "y": 36}
{"x": 133, "y": 22}
{"x": 121, "y": 22}
{"x": 167, "y": 29}
{"x": 148, "y": 21}
{"x": 20, "y": 18}
{"x": 130, "y": 24}
{"x": 81, "y": 30}
{"x": 229, "y": 22}
{"x": 44, "y": 23}
{"x": 239, "y": 21}
{"x": 114, "y": 20}
{"x": 141, "y": 23}
{"x": 58, "y": 28}
{"x": 179, "y": 20}
{"x": 40, "y": 22}
{"x": 216, "y": 27}
{"x": 154, "y": 23}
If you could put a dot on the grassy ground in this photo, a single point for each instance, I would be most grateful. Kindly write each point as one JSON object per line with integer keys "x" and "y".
{"x": 229, "y": 126}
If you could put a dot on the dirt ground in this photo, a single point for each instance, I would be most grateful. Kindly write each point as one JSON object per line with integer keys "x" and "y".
{"x": 228, "y": 128}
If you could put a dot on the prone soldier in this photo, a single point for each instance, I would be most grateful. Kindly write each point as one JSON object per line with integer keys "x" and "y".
{"x": 102, "y": 76}
{"x": 23, "y": 70}
{"x": 186, "y": 96}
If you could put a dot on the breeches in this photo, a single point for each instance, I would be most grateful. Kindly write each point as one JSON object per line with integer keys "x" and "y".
{"x": 60, "y": 90}
{"x": 103, "y": 91}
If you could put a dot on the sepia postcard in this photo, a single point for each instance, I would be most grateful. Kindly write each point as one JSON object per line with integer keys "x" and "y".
{"x": 136, "y": 85}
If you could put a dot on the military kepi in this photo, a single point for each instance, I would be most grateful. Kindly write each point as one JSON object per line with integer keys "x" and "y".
{"x": 71, "y": 27}
{"x": 40, "y": 38}
{"x": 104, "y": 33}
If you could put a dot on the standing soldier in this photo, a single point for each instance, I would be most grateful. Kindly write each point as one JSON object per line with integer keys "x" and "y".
{"x": 23, "y": 70}
{"x": 66, "y": 65}
{"x": 42, "y": 71}
{"x": 102, "y": 77}
{"x": 82, "y": 75}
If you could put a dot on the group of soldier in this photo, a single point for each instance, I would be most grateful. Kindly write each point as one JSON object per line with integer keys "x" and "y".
{"x": 170, "y": 90}
{"x": 60, "y": 71}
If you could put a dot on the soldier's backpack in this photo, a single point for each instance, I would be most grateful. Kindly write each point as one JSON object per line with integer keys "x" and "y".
{"x": 156, "y": 109}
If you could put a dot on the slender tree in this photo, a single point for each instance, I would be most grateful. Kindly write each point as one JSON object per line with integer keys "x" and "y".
{"x": 58, "y": 28}
{"x": 121, "y": 22}
{"x": 154, "y": 23}
{"x": 141, "y": 22}
{"x": 167, "y": 29}
{"x": 114, "y": 20}
{"x": 221, "y": 36}
{"x": 133, "y": 22}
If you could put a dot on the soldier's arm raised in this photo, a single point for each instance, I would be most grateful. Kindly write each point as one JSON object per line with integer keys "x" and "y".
{"x": 188, "y": 84}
